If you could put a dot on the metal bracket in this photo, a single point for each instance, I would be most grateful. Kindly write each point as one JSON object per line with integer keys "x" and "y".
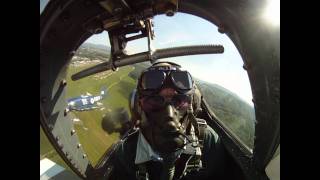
{"x": 149, "y": 28}
{"x": 125, "y": 21}
{"x": 118, "y": 40}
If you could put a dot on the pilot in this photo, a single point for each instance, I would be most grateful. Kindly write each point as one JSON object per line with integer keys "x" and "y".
{"x": 170, "y": 142}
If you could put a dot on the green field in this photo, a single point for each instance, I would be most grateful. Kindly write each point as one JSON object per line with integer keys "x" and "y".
{"x": 94, "y": 139}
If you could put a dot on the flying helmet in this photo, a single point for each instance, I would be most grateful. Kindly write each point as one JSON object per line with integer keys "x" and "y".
{"x": 161, "y": 75}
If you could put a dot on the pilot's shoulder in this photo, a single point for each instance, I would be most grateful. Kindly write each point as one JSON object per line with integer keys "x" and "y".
{"x": 209, "y": 133}
{"x": 126, "y": 149}
{"x": 124, "y": 155}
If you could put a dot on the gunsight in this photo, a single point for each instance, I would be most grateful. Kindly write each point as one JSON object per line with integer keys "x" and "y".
{"x": 125, "y": 23}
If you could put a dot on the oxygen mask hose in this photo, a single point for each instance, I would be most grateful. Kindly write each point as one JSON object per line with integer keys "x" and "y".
{"x": 193, "y": 120}
{"x": 168, "y": 168}
{"x": 167, "y": 172}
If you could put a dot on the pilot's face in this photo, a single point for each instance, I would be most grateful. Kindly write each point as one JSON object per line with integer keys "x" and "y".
{"x": 164, "y": 121}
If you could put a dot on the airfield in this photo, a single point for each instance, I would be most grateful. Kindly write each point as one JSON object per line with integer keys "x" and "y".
{"x": 88, "y": 124}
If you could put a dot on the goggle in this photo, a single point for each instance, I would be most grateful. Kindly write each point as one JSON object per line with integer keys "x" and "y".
{"x": 157, "y": 102}
{"x": 153, "y": 80}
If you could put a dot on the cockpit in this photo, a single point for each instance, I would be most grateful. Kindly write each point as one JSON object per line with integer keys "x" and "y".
{"x": 96, "y": 51}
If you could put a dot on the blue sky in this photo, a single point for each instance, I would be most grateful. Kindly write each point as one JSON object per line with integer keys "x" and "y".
{"x": 43, "y": 3}
{"x": 183, "y": 29}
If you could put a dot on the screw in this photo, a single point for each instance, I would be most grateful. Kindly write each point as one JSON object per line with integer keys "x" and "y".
{"x": 79, "y": 145}
{"x": 84, "y": 156}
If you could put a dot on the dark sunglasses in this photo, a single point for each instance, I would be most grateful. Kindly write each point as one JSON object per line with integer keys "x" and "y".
{"x": 154, "y": 79}
{"x": 157, "y": 102}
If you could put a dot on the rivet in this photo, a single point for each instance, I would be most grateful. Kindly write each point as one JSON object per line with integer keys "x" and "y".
{"x": 72, "y": 53}
{"x": 73, "y": 132}
{"x": 47, "y": 115}
{"x": 98, "y": 31}
{"x": 169, "y": 12}
{"x": 65, "y": 113}
{"x": 245, "y": 67}
{"x": 50, "y": 127}
{"x": 60, "y": 144}
{"x": 117, "y": 10}
{"x": 79, "y": 145}
{"x": 65, "y": 17}
{"x": 63, "y": 82}
{"x": 84, "y": 156}
{"x": 88, "y": 3}
{"x": 221, "y": 29}
{"x": 44, "y": 99}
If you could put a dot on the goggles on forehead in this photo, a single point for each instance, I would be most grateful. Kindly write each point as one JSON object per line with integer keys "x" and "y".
{"x": 153, "y": 80}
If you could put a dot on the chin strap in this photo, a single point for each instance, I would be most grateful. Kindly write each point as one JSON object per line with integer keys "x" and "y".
{"x": 168, "y": 167}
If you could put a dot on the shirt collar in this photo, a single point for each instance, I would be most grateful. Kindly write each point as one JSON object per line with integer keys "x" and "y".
{"x": 145, "y": 152}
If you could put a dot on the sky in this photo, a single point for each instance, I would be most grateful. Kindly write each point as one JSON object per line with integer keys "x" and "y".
{"x": 184, "y": 29}
{"x": 43, "y": 3}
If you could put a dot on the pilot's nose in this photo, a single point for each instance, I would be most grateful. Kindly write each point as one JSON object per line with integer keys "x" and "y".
{"x": 169, "y": 111}
{"x": 171, "y": 122}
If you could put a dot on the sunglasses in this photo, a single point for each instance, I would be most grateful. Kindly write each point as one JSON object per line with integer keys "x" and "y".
{"x": 153, "y": 80}
{"x": 156, "y": 102}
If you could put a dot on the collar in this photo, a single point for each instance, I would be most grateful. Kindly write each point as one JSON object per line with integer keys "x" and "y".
{"x": 145, "y": 152}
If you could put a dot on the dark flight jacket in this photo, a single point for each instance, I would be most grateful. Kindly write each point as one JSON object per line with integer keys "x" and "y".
{"x": 212, "y": 159}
